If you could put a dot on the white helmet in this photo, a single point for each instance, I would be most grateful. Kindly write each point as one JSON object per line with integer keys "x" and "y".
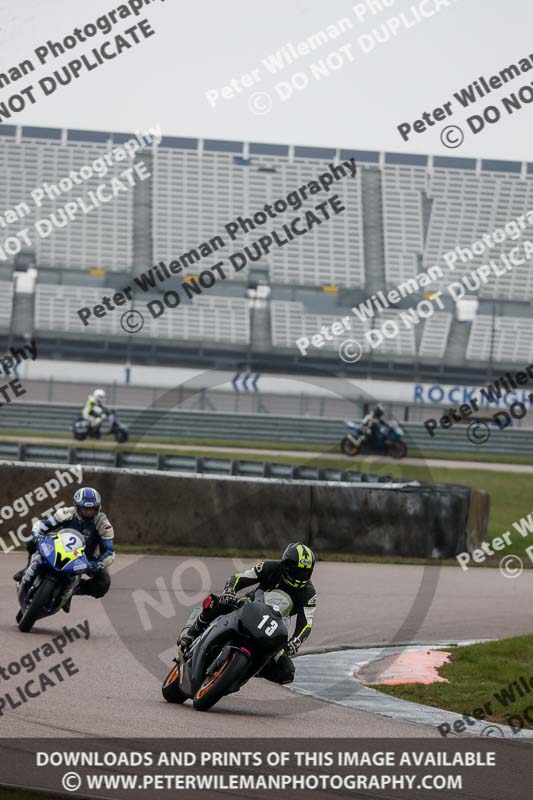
{"x": 99, "y": 395}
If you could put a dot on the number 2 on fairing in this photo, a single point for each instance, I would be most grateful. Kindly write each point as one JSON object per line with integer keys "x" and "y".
{"x": 271, "y": 628}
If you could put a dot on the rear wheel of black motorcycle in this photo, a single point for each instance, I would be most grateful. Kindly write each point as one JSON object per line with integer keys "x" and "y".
{"x": 398, "y": 449}
{"x": 220, "y": 682}
{"x": 171, "y": 686}
{"x": 348, "y": 447}
{"x": 121, "y": 436}
{"x": 41, "y": 598}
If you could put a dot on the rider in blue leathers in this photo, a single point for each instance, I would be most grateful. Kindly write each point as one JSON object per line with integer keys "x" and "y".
{"x": 86, "y": 517}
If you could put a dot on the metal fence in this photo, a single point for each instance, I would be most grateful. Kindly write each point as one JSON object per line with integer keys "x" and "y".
{"x": 102, "y": 457}
{"x": 205, "y": 426}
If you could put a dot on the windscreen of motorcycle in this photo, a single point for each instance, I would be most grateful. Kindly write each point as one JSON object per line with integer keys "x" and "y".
{"x": 279, "y": 599}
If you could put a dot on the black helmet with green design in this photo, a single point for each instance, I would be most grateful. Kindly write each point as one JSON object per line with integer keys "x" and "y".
{"x": 297, "y": 564}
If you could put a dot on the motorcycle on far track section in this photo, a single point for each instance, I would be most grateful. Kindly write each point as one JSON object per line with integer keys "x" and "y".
{"x": 389, "y": 442}
{"x": 233, "y": 649}
{"x": 81, "y": 429}
{"x": 52, "y": 576}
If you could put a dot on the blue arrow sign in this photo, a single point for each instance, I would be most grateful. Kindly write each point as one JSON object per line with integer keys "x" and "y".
{"x": 234, "y": 381}
{"x": 241, "y": 381}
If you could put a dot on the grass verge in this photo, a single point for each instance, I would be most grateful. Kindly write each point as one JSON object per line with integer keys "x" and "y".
{"x": 491, "y": 681}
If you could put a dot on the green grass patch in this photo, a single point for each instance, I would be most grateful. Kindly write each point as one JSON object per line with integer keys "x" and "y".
{"x": 480, "y": 676}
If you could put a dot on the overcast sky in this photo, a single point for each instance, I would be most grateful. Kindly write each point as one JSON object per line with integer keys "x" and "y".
{"x": 202, "y": 46}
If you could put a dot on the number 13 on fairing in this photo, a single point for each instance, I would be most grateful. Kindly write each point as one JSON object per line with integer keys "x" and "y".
{"x": 271, "y": 628}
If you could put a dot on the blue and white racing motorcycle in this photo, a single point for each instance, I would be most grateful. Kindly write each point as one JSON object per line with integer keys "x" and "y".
{"x": 52, "y": 576}
{"x": 389, "y": 441}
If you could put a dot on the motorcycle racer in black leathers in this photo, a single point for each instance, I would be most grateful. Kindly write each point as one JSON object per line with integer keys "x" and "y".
{"x": 292, "y": 575}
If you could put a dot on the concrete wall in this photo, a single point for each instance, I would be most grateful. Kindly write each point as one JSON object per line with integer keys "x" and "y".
{"x": 153, "y": 508}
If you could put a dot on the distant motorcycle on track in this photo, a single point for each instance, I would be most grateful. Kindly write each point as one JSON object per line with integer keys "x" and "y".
{"x": 81, "y": 429}
{"x": 52, "y": 576}
{"x": 388, "y": 442}
{"x": 234, "y": 648}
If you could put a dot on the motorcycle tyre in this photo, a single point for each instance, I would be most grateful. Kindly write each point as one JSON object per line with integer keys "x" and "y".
{"x": 171, "y": 686}
{"x": 398, "y": 449}
{"x": 348, "y": 447}
{"x": 41, "y": 597}
{"x": 221, "y": 683}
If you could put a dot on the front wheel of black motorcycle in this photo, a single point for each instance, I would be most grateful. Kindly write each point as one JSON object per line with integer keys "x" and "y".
{"x": 171, "y": 686}
{"x": 218, "y": 684}
{"x": 40, "y": 600}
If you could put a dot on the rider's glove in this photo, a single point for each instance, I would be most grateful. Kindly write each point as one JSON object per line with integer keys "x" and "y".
{"x": 293, "y": 646}
{"x": 94, "y": 567}
{"x": 228, "y": 596}
{"x": 36, "y": 531}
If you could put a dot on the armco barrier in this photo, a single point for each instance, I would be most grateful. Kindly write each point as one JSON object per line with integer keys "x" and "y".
{"x": 216, "y": 427}
{"x": 169, "y": 462}
{"x": 154, "y": 508}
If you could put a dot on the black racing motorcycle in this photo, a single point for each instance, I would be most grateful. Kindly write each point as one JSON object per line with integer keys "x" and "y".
{"x": 234, "y": 648}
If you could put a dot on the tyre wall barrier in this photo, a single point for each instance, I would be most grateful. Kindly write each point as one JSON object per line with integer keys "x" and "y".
{"x": 170, "y": 509}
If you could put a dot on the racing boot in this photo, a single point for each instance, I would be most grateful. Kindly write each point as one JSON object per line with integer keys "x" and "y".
{"x": 190, "y": 633}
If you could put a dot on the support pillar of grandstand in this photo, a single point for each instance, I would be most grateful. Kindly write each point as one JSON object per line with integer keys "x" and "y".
{"x": 142, "y": 248}
{"x": 373, "y": 238}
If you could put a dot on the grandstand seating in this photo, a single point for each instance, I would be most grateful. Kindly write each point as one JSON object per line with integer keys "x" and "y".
{"x": 196, "y": 195}
{"x": 402, "y": 221}
{"x": 102, "y": 238}
{"x": 6, "y": 304}
{"x": 422, "y": 207}
{"x": 435, "y": 335}
{"x": 512, "y": 339}
{"x": 430, "y": 205}
{"x": 290, "y": 322}
{"x": 214, "y": 319}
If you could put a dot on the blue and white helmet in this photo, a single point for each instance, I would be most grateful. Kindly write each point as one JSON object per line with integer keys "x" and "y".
{"x": 87, "y": 502}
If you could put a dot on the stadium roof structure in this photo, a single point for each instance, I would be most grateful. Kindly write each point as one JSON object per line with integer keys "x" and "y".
{"x": 245, "y": 150}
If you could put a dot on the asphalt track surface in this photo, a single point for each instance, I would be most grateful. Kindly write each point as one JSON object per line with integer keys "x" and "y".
{"x": 306, "y": 454}
{"x": 116, "y": 693}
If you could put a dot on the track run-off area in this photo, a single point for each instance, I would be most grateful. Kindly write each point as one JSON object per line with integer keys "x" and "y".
{"x": 116, "y": 688}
